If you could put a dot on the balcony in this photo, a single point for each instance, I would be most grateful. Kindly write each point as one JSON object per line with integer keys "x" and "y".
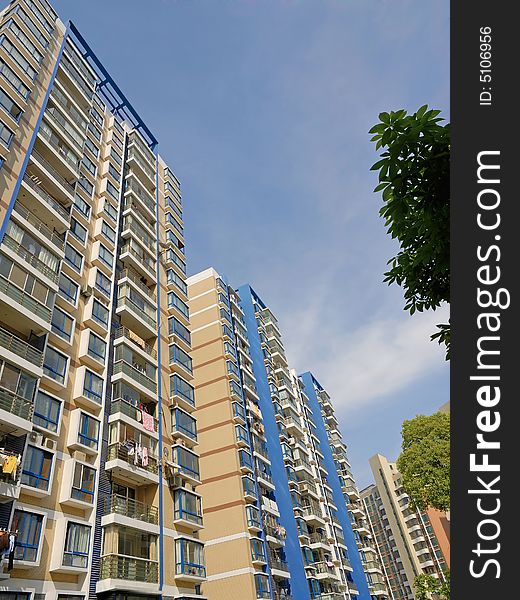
{"x": 123, "y": 370}
{"x": 132, "y": 227}
{"x": 28, "y": 257}
{"x": 83, "y": 93}
{"x": 182, "y": 394}
{"x": 43, "y": 205}
{"x": 10, "y": 482}
{"x": 38, "y": 228}
{"x": 189, "y": 565}
{"x": 125, "y": 508}
{"x": 134, "y": 188}
{"x": 325, "y": 571}
{"x": 122, "y": 406}
{"x": 126, "y": 573}
{"x": 123, "y": 464}
{"x": 137, "y": 280}
{"x": 124, "y": 332}
{"x": 186, "y": 464}
{"x": 184, "y": 427}
{"x": 60, "y": 151}
{"x": 59, "y": 184}
{"x": 188, "y": 509}
{"x": 15, "y": 413}
{"x": 14, "y": 348}
{"x": 141, "y": 262}
{"x": 143, "y": 170}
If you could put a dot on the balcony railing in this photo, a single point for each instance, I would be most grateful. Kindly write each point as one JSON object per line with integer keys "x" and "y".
{"x": 20, "y": 348}
{"x": 122, "y": 366}
{"x": 114, "y": 566}
{"x": 45, "y": 196}
{"x": 147, "y": 262}
{"x": 118, "y": 451}
{"x": 126, "y": 301}
{"x": 48, "y": 167}
{"x": 136, "y": 278}
{"x": 142, "y": 195}
{"x": 122, "y": 406}
{"x": 29, "y": 258}
{"x": 126, "y": 333}
{"x": 16, "y": 405}
{"x": 278, "y": 563}
{"x": 133, "y": 509}
{"x": 59, "y": 149}
{"x": 24, "y": 299}
{"x": 39, "y": 225}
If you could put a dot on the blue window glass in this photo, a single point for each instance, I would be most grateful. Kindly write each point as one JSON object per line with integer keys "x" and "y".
{"x": 187, "y": 461}
{"x": 179, "y": 387}
{"x": 188, "y": 506}
{"x": 177, "y": 355}
{"x": 100, "y": 313}
{"x": 175, "y": 327}
{"x": 55, "y": 365}
{"x": 93, "y": 386}
{"x": 6, "y": 135}
{"x": 73, "y": 258}
{"x": 103, "y": 283}
{"x": 36, "y": 471}
{"x": 88, "y": 432}
{"x": 77, "y": 541}
{"x": 68, "y": 289}
{"x": 61, "y": 324}
{"x": 46, "y": 412}
{"x": 29, "y": 527}
{"x": 97, "y": 347}
{"x": 83, "y": 483}
{"x": 184, "y": 423}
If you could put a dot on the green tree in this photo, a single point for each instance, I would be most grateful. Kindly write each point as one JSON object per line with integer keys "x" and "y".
{"x": 414, "y": 178}
{"x": 424, "y": 463}
{"x": 428, "y": 587}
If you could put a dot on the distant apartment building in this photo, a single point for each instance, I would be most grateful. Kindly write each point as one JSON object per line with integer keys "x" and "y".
{"x": 409, "y": 542}
{"x": 275, "y": 477}
{"x": 98, "y": 460}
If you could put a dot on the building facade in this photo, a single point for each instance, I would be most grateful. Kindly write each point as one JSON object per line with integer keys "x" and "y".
{"x": 276, "y": 519}
{"x": 409, "y": 542}
{"x": 99, "y": 467}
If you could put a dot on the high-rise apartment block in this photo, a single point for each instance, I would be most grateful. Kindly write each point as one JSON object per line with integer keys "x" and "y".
{"x": 98, "y": 461}
{"x": 410, "y": 542}
{"x": 281, "y": 511}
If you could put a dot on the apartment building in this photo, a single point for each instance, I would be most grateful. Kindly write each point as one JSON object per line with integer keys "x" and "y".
{"x": 98, "y": 445}
{"x": 276, "y": 523}
{"x": 409, "y": 542}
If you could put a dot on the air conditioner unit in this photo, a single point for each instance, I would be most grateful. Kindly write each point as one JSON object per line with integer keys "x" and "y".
{"x": 49, "y": 443}
{"x": 36, "y": 438}
{"x": 87, "y": 291}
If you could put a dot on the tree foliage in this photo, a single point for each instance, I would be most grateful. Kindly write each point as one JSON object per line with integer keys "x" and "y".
{"x": 428, "y": 587}
{"x": 424, "y": 463}
{"x": 415, "y": 184}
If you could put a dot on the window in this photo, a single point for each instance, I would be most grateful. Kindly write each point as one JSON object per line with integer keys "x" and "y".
{"x": 62, "y": 324}
{"x": 100, "y": 313}
{"x": 106, "y": 256}
{"x": 24, "y": 40}
{"x": 10, "y": 106}
{"x": 176, "y": 302}
{"x": 89, "y": 165}
{"x": 188, "y": 506}
{"x": 175, "y": 327}
{"x": 88, "y": 432}
{"x": 37, "y": 466}
{"x": 89, "y": 144}
{"x": 179, "y": 387}
{"x": 94, "y": 131}
{"x": 184, "y": 423}
{"x": 22, "y": 15}
{"x": 47, "y": 412}
{"x": 112, "y": 190}
{"x": 103, "y": 283}
{"x": 83, "y": 483}
{"x": 172, "y": 277}
{"x": 188, "y": 461}
{"x": 262, "y": 586}
{"x": 86, "y": 186}
{"x": 55, "y": 365}
{"x": 113, "y": 171}
{"x": 170, "y": 255}
{"x": 73, "y": 258}
{"x": 241, "y": 434}
{"x": 82, "y": 206}
{"x": 177, "y": 355}
{"x": 253, "y": 517}
{"x": 110, "y": 210}
{"x": 14, "y": 80}
{"x": 19, "y": 383}
{"x": 97, "y": 347}
{"x": 68, "y": 289}
{"x": 93, "y": 386}
{"x": 78, "y": 231}
{"x": 6, "y": 135}
{"x": 29, "y": 527}
{"x": 189, "y": 558}
{"x": 108, "y": 232}
{"x": 77, "y": 542}
{"x": 18, "y": 57}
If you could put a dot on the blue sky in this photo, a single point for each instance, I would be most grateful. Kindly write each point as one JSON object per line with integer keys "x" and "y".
{"x": 262, "y": 108}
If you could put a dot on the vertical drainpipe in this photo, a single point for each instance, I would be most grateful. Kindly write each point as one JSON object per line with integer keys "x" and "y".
{"x": 159, "y": 376}
{"x": 30, "y": 147}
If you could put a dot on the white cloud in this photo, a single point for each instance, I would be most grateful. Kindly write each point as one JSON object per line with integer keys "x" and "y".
{"x": 362, "y": 367}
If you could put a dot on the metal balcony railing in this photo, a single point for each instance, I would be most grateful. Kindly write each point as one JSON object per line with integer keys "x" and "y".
{"x": 24, "y": 299}
{"x": 20, "y": 348}
{"x": 133, "y": 509}
{"x": 15, "y": 404}
{"x": 115, "y": 566}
